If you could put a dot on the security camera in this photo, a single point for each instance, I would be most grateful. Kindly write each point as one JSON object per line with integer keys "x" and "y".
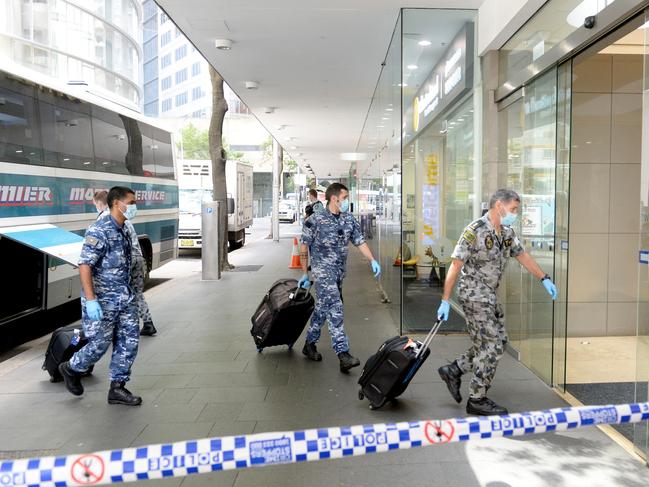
{"x": 252, "y": 85}
{"x": 589, "y": 22}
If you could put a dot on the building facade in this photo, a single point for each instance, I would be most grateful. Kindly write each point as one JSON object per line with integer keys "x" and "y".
{"x": 555, "y": 109}
{"x": 93, "y": 43}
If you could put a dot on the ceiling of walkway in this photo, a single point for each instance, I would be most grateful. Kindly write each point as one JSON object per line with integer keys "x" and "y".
{"x": 316, "y": 63}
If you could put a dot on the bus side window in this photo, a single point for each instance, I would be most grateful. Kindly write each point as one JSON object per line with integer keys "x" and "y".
{"x": 20, "y": 135}
{"x": 163, "y": 156}
{"x": 110, "y": 139}
{"x": 66, "y": 132}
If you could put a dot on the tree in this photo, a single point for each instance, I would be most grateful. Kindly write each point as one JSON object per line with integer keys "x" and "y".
{"x": 195, "y": 143}
{"x": 219, "y": 159}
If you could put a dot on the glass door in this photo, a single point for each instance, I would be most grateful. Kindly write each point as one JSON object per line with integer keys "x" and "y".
{"x": 529, "y": 144}
{"x": 641, "y": 433}
{"x": 605, "y": 280}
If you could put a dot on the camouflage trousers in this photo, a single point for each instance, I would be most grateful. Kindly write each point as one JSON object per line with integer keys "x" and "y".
{"x": 137, "y": 283}
{"x": 486, "y": 326}
{"x": 120, "y": 327}
{"x": 329, "y": 307}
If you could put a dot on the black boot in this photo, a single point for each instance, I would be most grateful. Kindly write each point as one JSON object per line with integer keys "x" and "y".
{"x": 148, "y": 329}
{"x": 311, "y": 352}
{"x": 118, "y": 394}
{"x": 71, "y": 378}
{"x": 484, "y": 407}
{"x": 347, "y": 361}
{"x": 451, "y": 374}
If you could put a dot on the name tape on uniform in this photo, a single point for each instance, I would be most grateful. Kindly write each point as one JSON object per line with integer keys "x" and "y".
{"x": 237, "y": 452}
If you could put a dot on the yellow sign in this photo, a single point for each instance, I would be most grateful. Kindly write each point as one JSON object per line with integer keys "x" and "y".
{"x": 415, "y": 114}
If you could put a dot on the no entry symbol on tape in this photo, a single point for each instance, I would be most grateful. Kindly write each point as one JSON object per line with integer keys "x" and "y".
{"x": 439, "y": 431}
{"x": 88, "y": 469}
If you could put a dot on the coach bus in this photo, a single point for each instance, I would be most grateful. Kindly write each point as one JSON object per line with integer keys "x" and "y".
{"x": 57, "y": 150}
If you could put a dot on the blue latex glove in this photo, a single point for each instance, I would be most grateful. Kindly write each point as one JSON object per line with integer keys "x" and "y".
{"x": 304, "y": 282}
{"x": 376, "y": 268}
{"x": 443, "y": 311}
{"x": 550, "y": 288}
{"x": 93, "y": 310}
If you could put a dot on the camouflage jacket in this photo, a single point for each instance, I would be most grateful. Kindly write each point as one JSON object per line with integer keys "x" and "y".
{"x": 484, "y": 253}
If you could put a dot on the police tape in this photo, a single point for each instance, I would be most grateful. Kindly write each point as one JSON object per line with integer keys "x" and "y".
{"x": 237, "y": 452}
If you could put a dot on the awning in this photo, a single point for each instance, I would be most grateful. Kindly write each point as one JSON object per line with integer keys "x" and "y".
{"x": 49, "y": 239}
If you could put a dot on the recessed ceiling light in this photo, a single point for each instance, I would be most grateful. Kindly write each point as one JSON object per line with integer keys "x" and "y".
{"x": 412, "y": 67}
{"x": 389, "y": 109}
{"x": 385, "y": 118}
{"x": 424, "y": 43}
{"x": 19, "y": 152}
{"x": 294, "y": 147}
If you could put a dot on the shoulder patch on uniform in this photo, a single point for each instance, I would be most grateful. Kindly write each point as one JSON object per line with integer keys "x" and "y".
{"x": 92, "y": 241}
{"x": 308, "y": 224}
{"x": 469, "y": 236}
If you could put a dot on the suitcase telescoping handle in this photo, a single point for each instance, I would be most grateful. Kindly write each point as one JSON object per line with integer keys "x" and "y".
{"x": 429, "y": 338}
{"x": 296, "y": 294}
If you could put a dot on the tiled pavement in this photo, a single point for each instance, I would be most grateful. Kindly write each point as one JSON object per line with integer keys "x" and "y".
{"x": 201, "y": 376}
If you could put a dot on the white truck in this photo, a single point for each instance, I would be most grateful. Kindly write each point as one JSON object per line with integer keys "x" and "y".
{"x": 195, "y": 187}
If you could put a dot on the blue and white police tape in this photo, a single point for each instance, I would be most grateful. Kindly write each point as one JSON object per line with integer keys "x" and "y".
{"x": 238, "y": 452}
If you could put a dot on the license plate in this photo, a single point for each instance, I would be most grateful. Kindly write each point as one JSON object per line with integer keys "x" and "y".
{"x": 186, "y": 243}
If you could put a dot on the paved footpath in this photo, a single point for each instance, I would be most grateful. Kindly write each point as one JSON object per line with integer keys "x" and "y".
{"x": 201, "y": 376}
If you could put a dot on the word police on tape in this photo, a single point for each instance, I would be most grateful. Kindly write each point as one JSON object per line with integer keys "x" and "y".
{"x": 237, "y": 452}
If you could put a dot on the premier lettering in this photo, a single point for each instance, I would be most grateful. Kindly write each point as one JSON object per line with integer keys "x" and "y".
{"x": 25, "y": 194}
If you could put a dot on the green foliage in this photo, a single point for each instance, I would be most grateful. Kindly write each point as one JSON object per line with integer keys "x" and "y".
{"x": 195, "y": 143}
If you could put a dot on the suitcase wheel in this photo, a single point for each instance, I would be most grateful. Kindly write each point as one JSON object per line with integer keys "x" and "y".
{"x": 361, "y": 396}
{"x": 372, "y": 408}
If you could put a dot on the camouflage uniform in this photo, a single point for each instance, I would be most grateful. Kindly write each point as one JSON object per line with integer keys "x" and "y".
{"x": 107, "y": 250}
{"x": 327, "y": 236}
{"x": 138, "y": 271}
{"x": 485, "y": 255}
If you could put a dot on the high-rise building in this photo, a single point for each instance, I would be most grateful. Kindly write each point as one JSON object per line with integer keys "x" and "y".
{"x": 150, "y": 61}
{"x": 177, "y": 85}
{"x": 94, "y": 43}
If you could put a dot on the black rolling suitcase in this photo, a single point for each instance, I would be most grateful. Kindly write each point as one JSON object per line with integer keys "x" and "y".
{"x": 282, "y": 315}
{"x": 388, "y": 372}
{"x": 63, "y": 344}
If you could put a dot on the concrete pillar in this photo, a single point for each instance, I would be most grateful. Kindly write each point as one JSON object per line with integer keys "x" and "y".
{"x": 278, "y": 155}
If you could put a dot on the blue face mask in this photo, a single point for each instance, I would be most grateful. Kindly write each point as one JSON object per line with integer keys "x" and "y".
{"x": 131, "y": 211}
{"x": 509, "y": 219}
{"x": 344, "y": 206}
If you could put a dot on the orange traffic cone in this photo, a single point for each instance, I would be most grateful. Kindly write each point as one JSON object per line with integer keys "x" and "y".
{"x": 397, "y": 261}
{"x": 295, "y": 256}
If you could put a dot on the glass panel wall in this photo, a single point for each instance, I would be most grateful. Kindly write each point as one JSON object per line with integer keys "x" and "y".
{"x": 416, "y": 185}
{"x": 377, "y": 181}
{"x": 439, "y": 155}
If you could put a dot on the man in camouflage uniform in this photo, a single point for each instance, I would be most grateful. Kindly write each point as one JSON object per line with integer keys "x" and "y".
{"x": 138, "y": 271}
{"x": 109, "y": 310}
{"x": 480, "y": 257}
{"x": 138, "y": 265}
{"x": 327, "y": 235}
